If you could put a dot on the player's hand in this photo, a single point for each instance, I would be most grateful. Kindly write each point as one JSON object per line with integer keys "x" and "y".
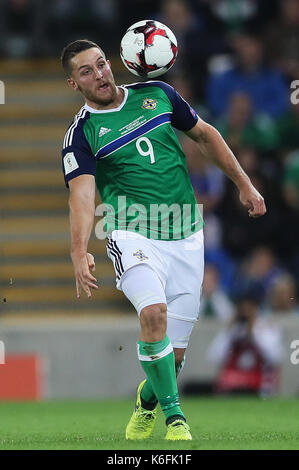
{"x": 83, "y": 264}
{"x": 253, "y": 201}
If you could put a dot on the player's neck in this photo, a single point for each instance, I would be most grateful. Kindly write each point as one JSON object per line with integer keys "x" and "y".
{"x": 115, "y": 103}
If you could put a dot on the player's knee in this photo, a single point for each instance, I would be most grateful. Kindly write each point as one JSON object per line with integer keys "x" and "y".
{"x": 153, "y": 318}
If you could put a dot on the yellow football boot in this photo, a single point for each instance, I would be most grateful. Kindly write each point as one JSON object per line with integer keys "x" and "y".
{"x": 142, "y": 421}
{"x": 178, "y": 430}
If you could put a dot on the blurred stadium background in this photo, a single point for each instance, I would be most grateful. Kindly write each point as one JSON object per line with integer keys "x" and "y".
{"x": 237, "y": 60}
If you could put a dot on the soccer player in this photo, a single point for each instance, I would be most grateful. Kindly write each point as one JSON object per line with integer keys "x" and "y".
{"x": 123, "y": 141}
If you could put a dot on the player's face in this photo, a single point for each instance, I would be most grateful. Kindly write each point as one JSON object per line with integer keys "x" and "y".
{"x": 92, "y": 76}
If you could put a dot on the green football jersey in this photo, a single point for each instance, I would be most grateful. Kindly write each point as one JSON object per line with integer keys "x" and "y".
{"x": 138, "y": 163}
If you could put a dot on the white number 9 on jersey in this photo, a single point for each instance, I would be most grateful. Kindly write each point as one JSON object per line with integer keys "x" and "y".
{"x": 148, "y": 151}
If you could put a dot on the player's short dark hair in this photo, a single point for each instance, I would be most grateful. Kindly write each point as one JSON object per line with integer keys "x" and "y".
{"x": 74, "y": 48}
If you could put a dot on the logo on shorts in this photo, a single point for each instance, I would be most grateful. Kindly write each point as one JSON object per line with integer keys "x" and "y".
{"x": 148, "y": 103}
{"x": 140, "y": 255}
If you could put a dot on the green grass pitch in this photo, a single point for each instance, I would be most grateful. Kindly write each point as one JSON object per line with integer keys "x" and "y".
{"x": 216, "y": 423}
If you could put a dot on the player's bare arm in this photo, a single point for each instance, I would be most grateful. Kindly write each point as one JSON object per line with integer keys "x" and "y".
{"x": 213, "y": 146}
{"x": 82, "y": 210}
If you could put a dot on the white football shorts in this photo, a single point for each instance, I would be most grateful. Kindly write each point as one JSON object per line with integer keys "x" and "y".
{"x": 156, "y": 271}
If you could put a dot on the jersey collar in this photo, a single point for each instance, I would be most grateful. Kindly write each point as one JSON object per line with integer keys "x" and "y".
{"x": 112, "y": 110}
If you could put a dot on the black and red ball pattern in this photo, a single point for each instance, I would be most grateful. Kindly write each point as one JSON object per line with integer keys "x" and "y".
{"x": 150, "y": 31}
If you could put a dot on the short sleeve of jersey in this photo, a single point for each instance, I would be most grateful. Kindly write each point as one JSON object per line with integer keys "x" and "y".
{"x": 77, "y": 157}
{"x": 184, "y": 117}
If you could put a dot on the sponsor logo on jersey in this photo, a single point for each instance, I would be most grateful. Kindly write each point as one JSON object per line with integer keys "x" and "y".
{"x": 140, "y": 255}
{"x": 70, "y": 163}
{"x": 133, "y": 130}
{"x": 148, "y": 103}
{"x": 132, "y": 125}
{"x": 103, "y": 131}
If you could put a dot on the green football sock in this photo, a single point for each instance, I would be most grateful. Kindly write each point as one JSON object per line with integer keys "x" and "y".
{"x": 157, "y": 360}
{"x": 147, "y": 392}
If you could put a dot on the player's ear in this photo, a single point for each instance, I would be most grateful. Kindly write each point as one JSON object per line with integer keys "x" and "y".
{"x": 72, "y": 83}
{"x": 109, "y": 63}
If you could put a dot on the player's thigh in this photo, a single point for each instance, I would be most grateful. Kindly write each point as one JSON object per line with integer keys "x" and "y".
{"x": 179, "y": 332}
{"x": 184, "y": 283}
{"x": 128, "y": 250}
{"x": 142, "y": 286}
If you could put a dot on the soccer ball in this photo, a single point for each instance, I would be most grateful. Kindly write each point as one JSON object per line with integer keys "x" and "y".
{"x": 148, "y": 48}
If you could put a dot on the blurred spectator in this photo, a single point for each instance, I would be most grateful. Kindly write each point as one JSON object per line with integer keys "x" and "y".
{"x": 248, "y": 159}
{"x": 69, "y": 20}
{"x": 287, "y": 242}
{"x": 22, "y": 26}
{"x": 248, "y": 352}
{"x": 267, "y": 164}
{"x": 132, "y": 11}
{"x": 179, "y": 17}
{"x": 208, "y": 184}
{"x": 282, "y": 39}
{"x": 215, "y": 254}
{"x": 243, "y": 128}
{"x": 234, "y": 15}
{"x": 207, "y": 179}
{"x": 282, "y": 298}
{"x": 290, "y": 180}
{"x": 265, "y": 86}
{"x": 196, "y": 41}
{"x": 36, "y": 28}
{"x": 214, "y": 301}
{"x": 184, "y": 86}
{"x": 288, "y": 128}
{"x": 241, "y": 234}
{"x": 259, "y": 270}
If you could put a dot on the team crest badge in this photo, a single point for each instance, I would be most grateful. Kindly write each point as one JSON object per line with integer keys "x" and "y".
{"x": 140, "y": 255}
{"x": 148, "y": 103}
